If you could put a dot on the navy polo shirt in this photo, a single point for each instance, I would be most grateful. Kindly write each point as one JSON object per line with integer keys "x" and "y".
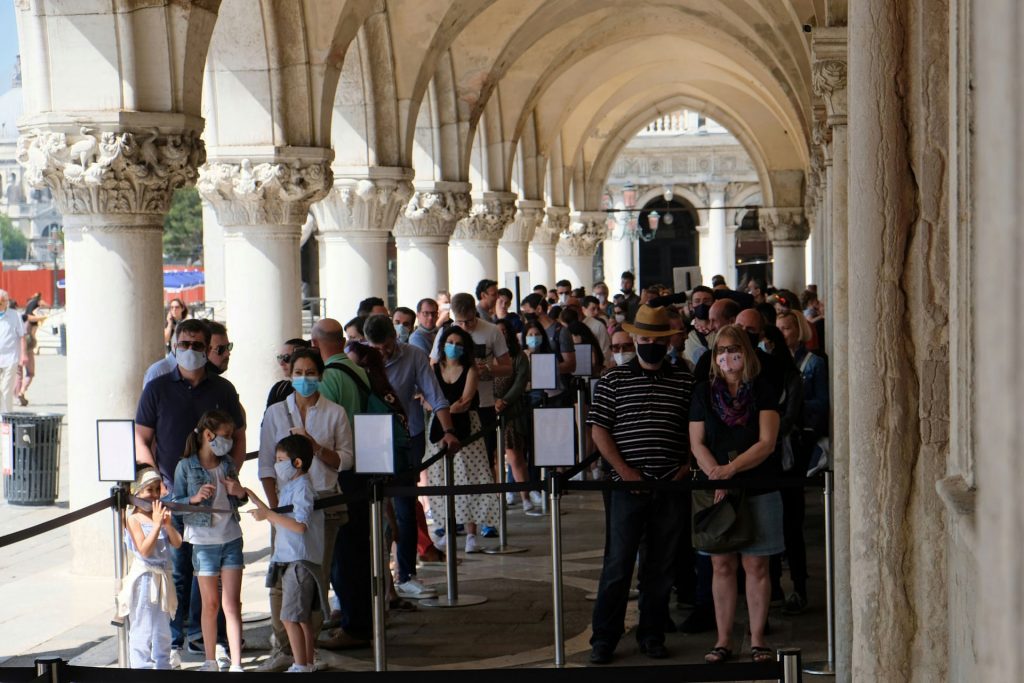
{"x": 171, "y": 406}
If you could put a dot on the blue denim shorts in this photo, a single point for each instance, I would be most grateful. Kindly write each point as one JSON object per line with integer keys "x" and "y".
{"x": 208, "y": 560}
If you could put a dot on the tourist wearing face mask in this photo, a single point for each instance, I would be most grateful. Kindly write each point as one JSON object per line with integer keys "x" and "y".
{"x": 638, "y": 420}
{"x": 404, "y": 320}
{"x": 325, "y": 424}
{"x": 623, "y": 348}
{"x": 734, "y": 423}
{"x": 630, "y": 303}
{"x": 164, "y": 419}
{"x": 206, "y": 476}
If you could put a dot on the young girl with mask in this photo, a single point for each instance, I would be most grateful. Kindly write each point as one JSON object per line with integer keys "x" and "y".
{"x": 206, "y": 477}
{"x": 326, "y": 426}
{"x": 147, "y": 594}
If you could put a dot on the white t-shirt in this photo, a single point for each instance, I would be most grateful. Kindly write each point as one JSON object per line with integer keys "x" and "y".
{"x": 601, "y": 334}
{"x": 11, "y": 332}
{"x": 326, "y": 422}
{"x": 223, "y": 527}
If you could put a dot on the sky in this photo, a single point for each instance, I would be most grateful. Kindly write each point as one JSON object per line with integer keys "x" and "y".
{"x": 8, "y": 43}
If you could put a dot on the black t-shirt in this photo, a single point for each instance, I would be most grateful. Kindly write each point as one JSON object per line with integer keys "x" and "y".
{"x": 723, "y": 440}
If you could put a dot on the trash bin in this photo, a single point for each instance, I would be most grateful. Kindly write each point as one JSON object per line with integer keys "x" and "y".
{"x": 30, "y": 451}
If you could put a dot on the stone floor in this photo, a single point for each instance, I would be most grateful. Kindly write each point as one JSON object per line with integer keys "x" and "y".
{"x": 47, "y": 610}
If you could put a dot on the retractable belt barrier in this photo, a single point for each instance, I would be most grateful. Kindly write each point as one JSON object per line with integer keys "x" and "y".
{"x": 55, "y": 670}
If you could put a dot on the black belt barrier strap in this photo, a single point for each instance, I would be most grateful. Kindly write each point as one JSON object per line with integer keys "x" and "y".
{"x": 55, "y": 523}
{"x": 579, "y": 467}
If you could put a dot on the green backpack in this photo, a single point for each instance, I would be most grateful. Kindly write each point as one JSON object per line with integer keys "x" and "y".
{"x": 374, "y": 404}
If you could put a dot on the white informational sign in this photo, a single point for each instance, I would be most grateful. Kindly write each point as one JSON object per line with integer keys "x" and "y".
{"x": 554, "y": 432}
{"x": 544, "y": 371}
{"x": 485, "y": 389}
{"x": 685, "y": 279}
{"x": 115, "y": 448}
{"x": 584, "y": 361}
{"x": 593, "y": 388}
{"x": 374, "y": 444}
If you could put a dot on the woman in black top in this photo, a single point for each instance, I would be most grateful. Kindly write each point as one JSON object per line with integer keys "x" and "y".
{"x": 283, "y": 388}
{"x": 734, "y": 424}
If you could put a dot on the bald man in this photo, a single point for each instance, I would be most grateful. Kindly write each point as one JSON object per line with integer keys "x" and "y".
{"x": 723, "y": 312}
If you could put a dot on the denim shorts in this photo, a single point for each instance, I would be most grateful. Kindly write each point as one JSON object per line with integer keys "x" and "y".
{"x": 208, "y": 560}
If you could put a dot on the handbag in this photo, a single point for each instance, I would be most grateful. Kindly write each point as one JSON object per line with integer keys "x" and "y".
{"x": 722, "y": 527}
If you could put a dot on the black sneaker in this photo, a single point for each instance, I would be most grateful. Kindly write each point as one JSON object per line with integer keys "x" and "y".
{"x": 654, "y": 649}
{"x": 195, "y": 647}
{"x": 701, "y": 620}
{"x": 601, "y": 653}
{"x": 795, "y": 604}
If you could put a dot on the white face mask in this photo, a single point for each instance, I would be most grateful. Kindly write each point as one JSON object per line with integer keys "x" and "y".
{"x": 619, "y": 318}
{"x": 285, "y": 471}
{"x": 190, "y": 360}
{"x": 221, "y": 445}
{"x": 624, "y": 357}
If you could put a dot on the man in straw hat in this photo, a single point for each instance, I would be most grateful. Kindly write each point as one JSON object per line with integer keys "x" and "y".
{"x": 640, "y": 419}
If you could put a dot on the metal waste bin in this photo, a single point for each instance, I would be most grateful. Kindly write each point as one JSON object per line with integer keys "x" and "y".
{"x": 30, "y": 453}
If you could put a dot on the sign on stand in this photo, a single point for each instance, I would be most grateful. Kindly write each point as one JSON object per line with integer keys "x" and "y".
{"x": 115, "y": 449}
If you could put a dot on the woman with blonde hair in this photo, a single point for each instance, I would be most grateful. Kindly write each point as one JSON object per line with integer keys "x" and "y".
{"x": 734, "y": 424}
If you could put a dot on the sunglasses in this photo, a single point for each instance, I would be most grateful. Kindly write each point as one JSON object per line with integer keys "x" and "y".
{"x": 193, "y": 345}
{"x": 223, "y": 348}
{"x": 732, "y": 348}
{"x": 284, "y": 358}
{"x": 619, "y": 348}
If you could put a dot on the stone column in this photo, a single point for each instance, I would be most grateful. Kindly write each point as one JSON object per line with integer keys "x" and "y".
{"x": 355, "y": 220}
{"x": 618, "y": 249}
{"x": 574, "y": 255}
{"x": 717, "y": 238}
{"x": 787, "y": 230}
{"x": 213, "y": 260}
{"x": 542, "y": 248}
{"x": 113, "y": 185}
{"x": 514, "y": 245}
{"x": 262, "y": 202}
{"x": 829, "y": 79}
{"x": 421, "y": 235}
{"x": 473, "y": 254}
{"x": 898, "y": 353}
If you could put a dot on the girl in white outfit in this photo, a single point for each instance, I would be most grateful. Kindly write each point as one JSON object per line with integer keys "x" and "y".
{"x": 147, "y": 595}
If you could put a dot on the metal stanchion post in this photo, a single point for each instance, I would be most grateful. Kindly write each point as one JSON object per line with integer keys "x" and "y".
{"x": 581, "y": 427}
{"x": 50, "y": 667}
{"x": 789, "y": 658}
{"x": 380, "y": 661}
{"x": 544, "y": 500}
{"x": 827, "y": 668}
{"x": 554, "y": 492}
{"x": 453, "y": 599}
{"x": 503, "y": 547}
{"x": 120, "y": 494}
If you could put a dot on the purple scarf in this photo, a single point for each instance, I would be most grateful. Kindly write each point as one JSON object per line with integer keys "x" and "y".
{"x": 732, "y": 411}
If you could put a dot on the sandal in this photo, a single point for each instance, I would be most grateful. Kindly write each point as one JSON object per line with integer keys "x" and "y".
{"x": 718, "y": 655}
{"x": 761, "y": 655}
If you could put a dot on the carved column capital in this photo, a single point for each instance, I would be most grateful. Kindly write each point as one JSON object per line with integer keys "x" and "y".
{"x": 487, "y": 218}
{"x": 367, "y": 205}
{"x": 92, "y": 170}
{"x": 529, "y": 215}
{"x": 433, "y": 211}
{"x": 556, "y": 221}
{"x": 277, "y": 189}
{"x": 829, "y": 71}
{"x": 784, "y": 225}
{"x": 587, "y": 230}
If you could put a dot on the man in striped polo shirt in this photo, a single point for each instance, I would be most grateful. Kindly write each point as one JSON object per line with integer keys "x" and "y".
{"x": 639, "y": 419}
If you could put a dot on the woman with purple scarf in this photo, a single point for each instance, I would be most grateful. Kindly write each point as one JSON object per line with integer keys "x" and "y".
{"x": 734, "y": 422}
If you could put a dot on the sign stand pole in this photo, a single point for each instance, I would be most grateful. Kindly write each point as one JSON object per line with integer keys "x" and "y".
{"x": 503, "y": 547}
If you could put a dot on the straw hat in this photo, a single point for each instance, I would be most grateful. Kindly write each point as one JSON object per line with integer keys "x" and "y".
{"x": 650, "y": 322}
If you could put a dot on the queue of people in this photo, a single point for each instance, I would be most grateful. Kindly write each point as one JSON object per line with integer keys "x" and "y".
{"x": 690, "y": 385}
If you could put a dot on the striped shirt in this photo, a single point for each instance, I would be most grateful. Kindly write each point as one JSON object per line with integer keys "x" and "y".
{"x": 647, "y": 413}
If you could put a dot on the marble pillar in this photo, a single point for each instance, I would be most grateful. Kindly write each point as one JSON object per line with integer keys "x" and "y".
{"x": 355, "y": 221}
{"x": 898, "y": 353}
{"x": 473, "y": 252}
{"x": 829, "y": 79}
{"x": 262, "y": 203}
{"x": 514, "y": 245}
{"x": 113, "y": 193}
{"x": 542, "y": 248}
{"x": 787, "y": 230}
{"x": 213, "y": 261}
{"x": 717, "y": 237}
{"x": 618, "y": 249}
{"x": 421, "y": 235}
{"x": 574, "y": 255}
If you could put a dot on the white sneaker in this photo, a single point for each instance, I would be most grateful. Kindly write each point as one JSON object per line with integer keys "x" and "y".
{"x": 277, "y": 662}
{"x": 414, "y": 590}
{"x": 236, "y": 669}
{"x": 175, "y": 659}
{"x": 318, "y": 664}
{"x": 297, "y": 669}
{"x": 441, "y": 542}
{"x": 471, "y": 546}
{"x": 537, "y": 498}
{"x": 510, "y": 498}
{"x": 221, "y": 655}
{"x": 209, "y": 665}
{"x": 532, "y": 510}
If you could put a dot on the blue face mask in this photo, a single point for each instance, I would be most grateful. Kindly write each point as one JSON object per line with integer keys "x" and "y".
{"x": 306, "y": 386}
{"x": 533, "y": 343}
{"x": 452, "y": 351}
{"x": 403, "y": 333}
